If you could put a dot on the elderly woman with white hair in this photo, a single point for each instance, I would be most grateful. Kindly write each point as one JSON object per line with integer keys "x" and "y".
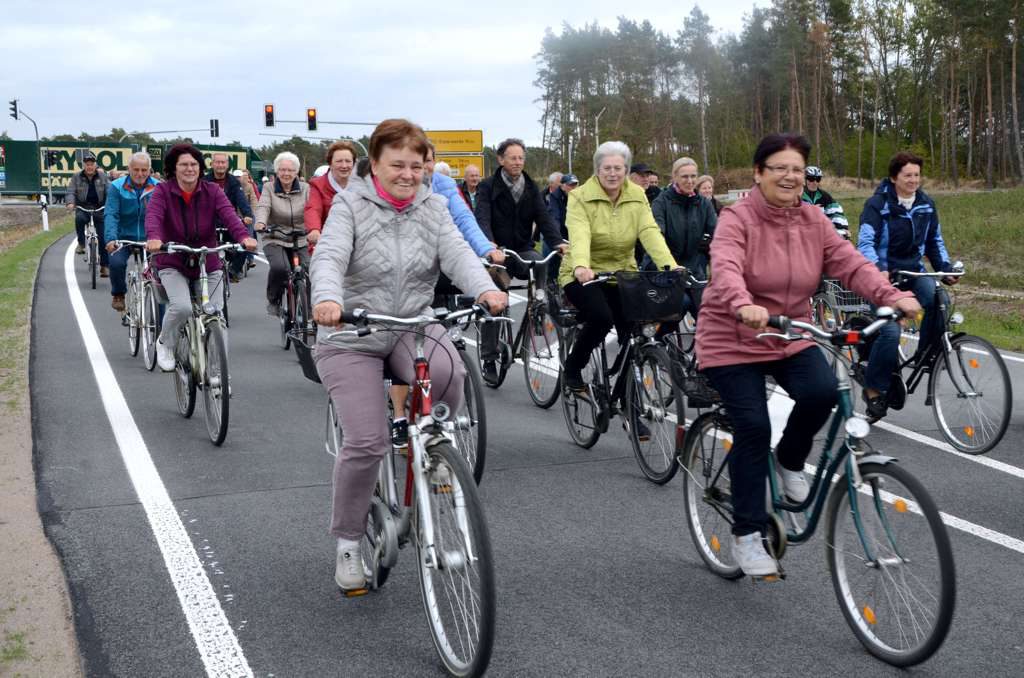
{"x": 605, "y": 218}
{"x": 281, "y": 206}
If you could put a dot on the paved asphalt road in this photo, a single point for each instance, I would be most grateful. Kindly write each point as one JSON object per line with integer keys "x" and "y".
{"x": 596, "y": 572}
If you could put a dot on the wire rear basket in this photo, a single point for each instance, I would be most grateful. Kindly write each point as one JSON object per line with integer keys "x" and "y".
{"x": 846, "y": 300}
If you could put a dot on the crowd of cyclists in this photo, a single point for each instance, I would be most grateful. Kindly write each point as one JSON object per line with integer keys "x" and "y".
{"x": 388, "y": 233}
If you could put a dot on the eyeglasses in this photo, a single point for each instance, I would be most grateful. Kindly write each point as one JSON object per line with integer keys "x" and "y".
{"x": 782, "y": 170}
{"x": 688, "y": 177}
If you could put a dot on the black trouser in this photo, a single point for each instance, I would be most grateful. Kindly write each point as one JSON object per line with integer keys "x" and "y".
{"x": 280, "y": 260}
{"x": 599, "y": 308}
{"x": 691, "y": 305}
{"x": 81, "y": 219}
{"x": 489, "y": 331}
{"x": 809, "y": 381}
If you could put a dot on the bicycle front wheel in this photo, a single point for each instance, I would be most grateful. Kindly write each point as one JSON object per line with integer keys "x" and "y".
{"x": 471, "y": 419}
{"x": 284, "y": 319}
{"x": 891, "y": 564}
{"x": 971, "y": 395}
{"x": 225, "y": 286}
{"x": 216, "y": 383}
{"x": 584, "y": 416}
{"x": 150, "y": 326}
{"x": 707, "y": 493}
{"x": 94, "y": 261}
{"x": 654, "y": 413}
{"x": 303, "y": 315}
{"x": 540, "y": 357}
{"x": 184, "y": 379}
{"x": 133, "y": 316}
{"x": 456, "y": 572}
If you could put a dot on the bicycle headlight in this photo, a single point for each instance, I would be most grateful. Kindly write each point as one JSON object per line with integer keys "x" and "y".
{"x": 455, "y": 333}
{"x": 956, "y": 319}
{"x": 539, "y": 294}
{"x": 649, "y": 330}
{"x": 440, "y": 412}
{"x": 857, "y": 428}
{"x": 209, "y": 308}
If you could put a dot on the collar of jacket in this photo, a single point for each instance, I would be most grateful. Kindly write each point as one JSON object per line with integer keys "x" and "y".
{"x": 498, "y": 183}
{"x": 95, "y": 175}
{"x": 364, "y": 187}
{"x": 888, "y": 189}
{"x": 278, "y": 188}
{"x": 125, "y": 184}
{"x": 175, "y": 187}
{"x": 769, "y": 214}
{"x": 591, "y": 190}
{"x": 675, "y": 196}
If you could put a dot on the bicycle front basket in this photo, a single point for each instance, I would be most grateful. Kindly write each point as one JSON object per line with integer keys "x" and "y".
{"x": 651, "y": 296}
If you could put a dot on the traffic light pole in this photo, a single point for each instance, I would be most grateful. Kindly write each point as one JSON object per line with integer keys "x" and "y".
{"x": 39, "y": 154}
{"x": 161, "y": 131}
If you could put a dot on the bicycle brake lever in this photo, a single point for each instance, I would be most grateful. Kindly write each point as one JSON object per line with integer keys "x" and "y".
{"x": 780, "y": 335}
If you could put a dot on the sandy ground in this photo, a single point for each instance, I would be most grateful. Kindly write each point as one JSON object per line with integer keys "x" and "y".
{"x": 37, "y": 634}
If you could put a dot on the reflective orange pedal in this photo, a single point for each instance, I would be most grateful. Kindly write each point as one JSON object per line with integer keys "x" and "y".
{"x": 354, "y": 593}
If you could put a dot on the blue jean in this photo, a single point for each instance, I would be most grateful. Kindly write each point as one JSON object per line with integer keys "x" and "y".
{"x": 884, "y": 356}
{"x": 810, "y": 382}
{"x": 118, "y": 262}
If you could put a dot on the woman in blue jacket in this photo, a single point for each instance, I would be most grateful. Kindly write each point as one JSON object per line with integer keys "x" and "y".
{"x": 125, "y": 219}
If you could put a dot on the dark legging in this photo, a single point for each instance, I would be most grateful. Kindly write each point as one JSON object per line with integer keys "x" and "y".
{"x": 280, "y": 261}
{"x": 600, "y": 309}
{"x": 809, "y": 381}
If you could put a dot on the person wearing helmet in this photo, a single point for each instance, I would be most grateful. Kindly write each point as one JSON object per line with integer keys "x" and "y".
{"x": 815, "y": 196}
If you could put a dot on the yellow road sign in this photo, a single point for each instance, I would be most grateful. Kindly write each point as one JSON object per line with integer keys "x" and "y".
{"x": 457, "y": 141}
{"x": 459, "y": 163}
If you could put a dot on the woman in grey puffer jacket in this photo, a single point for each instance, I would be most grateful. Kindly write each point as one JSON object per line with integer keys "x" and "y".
{"x": 384, "y": 244}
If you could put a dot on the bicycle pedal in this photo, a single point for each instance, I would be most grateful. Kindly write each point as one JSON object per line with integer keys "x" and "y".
{"x": 354, "y": 593}
{"x": 769, "y": 578}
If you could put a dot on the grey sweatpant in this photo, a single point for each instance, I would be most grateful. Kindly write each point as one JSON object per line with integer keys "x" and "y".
{"x": 354, "y": 381}
{"x": 179, "y": 302}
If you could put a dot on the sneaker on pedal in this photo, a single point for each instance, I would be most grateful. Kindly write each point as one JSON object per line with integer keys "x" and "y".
{"x": 274, "y": 310}
{"x": 643, "y": 432}
{"x": 748, "y": 549}
{"x": 399, "y": 433}
{"x": 164, "y": 356}
{"x": 349, "y": 574}
{"x": 574, "y": 380}
{"x": 490, "y": 371}
{"x": 794, "y": 485}
{"x": 117, "y": 303}
{"x": 80, "y": 249}
{"x": 104, "y": 272}
{"x": 876, "y": 406}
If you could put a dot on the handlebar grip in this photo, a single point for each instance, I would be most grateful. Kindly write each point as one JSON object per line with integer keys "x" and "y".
{"x": 352, "y": 317}
{"x": 779, "y": 322}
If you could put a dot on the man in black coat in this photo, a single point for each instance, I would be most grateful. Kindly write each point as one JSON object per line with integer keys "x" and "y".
{"x": 232, "y": 188}
{"x": 508, "y": 205}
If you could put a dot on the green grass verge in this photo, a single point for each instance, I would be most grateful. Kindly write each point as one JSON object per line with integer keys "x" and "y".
{"x": 1004, "y": 330}
{"x": 17, "y": 278}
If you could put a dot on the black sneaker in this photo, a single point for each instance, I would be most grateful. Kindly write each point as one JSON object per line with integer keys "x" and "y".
{"x": 876, "y": 407}
{"x": 490, "y": 371}
{"x": 399, "y": 434}
{"x": 643, "y": 433}
{"x": 574, "y": 380}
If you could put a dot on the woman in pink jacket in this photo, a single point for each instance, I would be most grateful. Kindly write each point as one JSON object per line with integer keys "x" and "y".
{"x": 769, "y": 253}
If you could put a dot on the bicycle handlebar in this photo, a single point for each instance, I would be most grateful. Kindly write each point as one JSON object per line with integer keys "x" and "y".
{"x": 89, "y": 211}
{"x": 362, "y": 318}
{"x": 173, "y": 248}
{"x": 599, "y": 278}
{"x": 955, "y": 273}
{"x": 530, "y": 262}
{"x": 134, "y": 244}
{"x": 839, "y": 337}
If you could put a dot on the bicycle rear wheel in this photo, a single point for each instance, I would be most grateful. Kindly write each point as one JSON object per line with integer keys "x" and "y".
{"x": 654, "y": 402}
{"x": 133, "y": 314}
{"x": 150, "y": 325}
{"x": 540, "y": 357}
{"x": 458, "y": 587}
{"x": 707, "y": 492}
{"x": 583, "y": 415}
{"x": 971, "y": 395}
{"x": 94, "y": 260}
{"x": 284, "y": 318}
{"x": 891, "y": 564}
{"x": 471, "y": 419}
{"x": 216, "y": 384}
{"x": 184, "y": 379}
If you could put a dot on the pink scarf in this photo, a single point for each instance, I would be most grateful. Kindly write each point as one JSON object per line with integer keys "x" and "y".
{"x": 399, "y": 205}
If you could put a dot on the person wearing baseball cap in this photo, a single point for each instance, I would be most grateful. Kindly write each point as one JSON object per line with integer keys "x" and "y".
{"x": 88, "y": 189}
{"x": 638, "y": 174}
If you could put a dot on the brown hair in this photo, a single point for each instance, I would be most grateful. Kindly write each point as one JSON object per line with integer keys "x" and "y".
{"x": 773, "y": 143}
{"x": 398, "y": 133}
{"x": 342, "y": 145}
{"x": 901, "y": 159}
{"x": 171, "y": 159}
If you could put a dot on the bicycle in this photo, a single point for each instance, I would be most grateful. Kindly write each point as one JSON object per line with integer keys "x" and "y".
{"x": 436, "y": 508}
{"x": 889, "y": 557}
{"x": 201, "y": 351}
{"x": 92, "y": 242}
{"x": 652, "y": 399}
{"x": 969, "y": 388}
{"x": 224, "y": 238}
{"x": 536, "y": 341}
{"x": 141, "y": 308}
{"x": 296, "y": 310}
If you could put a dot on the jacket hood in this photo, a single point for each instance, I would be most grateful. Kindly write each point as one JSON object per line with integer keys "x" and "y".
{"x": 592, "y": 190}
{"x": 364, "y": 187}
{"x": 278, "y": 188}
{"x": 888, "y": 190}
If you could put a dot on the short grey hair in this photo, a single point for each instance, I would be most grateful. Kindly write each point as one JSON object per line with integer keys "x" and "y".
{"x": 610, "y": 148}
{"x": 287, "y": 155}
{"x": 555, "y": 177}
{"x": 216, "y": 153}
{"x": 141, "y": 156}
{"x": 683, "y": 162}
{"x": 443, "y": 168}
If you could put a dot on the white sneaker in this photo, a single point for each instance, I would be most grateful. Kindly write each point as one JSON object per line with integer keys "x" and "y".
{"x": 794, "y": 484}
{"x": 751, "y": 556}
{"x": 164, "y": 356}
{"x": 349, "y": 574}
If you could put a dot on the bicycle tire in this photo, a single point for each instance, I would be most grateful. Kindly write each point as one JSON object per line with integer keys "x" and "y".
{"x": 824, "y": 313}
{"x": 184, "y": 379}
{"x": 583, "y": 416}
{"x": 463, "y": 641}
{"x": 150, "y": 326}
{"x": 541, "y": 367}
{"x": 471, "y": 434}
{"x": 707, "y": 493}
{"x": 94, "y": 261}
{"x": 379, "y": 545}
{"x": 225, "y": 285}
{"x": 303, "y": 315}
{"x": 974, "y": 421}
{"x": 896, "y": 514}
{"x": 656, "y": 403}
{"x": 284, "y": 319}
{"x": 216, "y": 384}
{"x": 133, "y": 314}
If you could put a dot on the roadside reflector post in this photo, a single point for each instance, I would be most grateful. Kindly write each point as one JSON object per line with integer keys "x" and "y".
{"x": 46, "y": 214}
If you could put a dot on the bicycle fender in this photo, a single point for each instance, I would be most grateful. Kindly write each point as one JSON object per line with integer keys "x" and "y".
{"x": 881, "y": 459}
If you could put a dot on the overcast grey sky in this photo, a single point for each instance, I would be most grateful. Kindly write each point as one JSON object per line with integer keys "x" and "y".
{"x": 89, "y": 66}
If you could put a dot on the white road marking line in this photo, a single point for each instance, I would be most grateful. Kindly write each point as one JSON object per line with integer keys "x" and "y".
{"x": 215, "y": 640}
{"x": 1012, "y": 357}
{"x": 946, "y": 447}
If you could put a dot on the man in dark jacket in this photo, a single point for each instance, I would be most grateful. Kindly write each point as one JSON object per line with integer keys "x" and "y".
{"x": 232, "y": 188}
{"x": 508, "y": 204}
{"x": 88, "y": 190}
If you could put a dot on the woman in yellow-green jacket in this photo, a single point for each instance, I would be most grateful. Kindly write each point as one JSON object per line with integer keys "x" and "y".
{"x": 605, "y": 218}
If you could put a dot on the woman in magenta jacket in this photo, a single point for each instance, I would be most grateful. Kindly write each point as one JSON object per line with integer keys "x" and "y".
{"x": 769, "y": 253}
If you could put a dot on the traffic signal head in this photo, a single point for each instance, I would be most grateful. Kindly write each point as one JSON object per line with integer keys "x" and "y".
{"x": 311, "y": 119}
{"x": 14, "y": 108}
{"x": 268, "y": 115}
{"x": 214, "y": 127}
